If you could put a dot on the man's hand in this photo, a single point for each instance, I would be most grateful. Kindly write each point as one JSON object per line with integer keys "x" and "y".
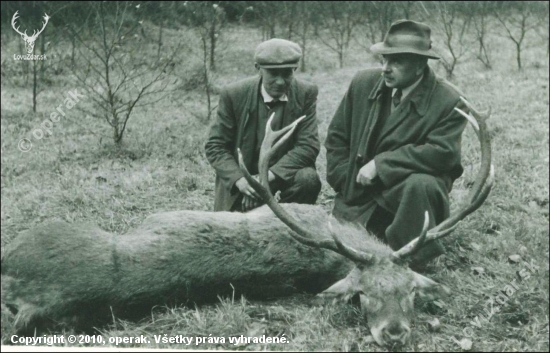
{"x": 251, "y": 198}
{"x": 367, "y": 173}
{"x": 245, "y": 188}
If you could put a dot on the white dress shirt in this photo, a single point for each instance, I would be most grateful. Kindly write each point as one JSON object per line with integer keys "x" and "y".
{"x": 405, "y": 92}
{"x": 268, "y": 98}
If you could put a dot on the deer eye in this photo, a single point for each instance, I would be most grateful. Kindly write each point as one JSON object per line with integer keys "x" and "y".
{"x": 371, "y": 304}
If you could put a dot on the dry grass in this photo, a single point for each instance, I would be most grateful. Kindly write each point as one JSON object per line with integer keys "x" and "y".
{"x": 76, "y": 176}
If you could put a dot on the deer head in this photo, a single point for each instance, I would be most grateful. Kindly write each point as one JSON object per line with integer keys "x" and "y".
{"x": 382, "y": 279}
{"x": 29, "y": 40}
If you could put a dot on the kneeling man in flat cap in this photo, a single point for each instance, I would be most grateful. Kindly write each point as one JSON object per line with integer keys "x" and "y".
{"x": 393, "y": 145}
{"x": 243, "y": 111}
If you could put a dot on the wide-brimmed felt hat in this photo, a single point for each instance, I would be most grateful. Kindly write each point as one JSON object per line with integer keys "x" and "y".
{"x": 406, "y": 36}
{"x": 277, "y": 53}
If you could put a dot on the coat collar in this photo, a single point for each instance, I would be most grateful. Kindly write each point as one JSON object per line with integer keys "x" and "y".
{"x": 420, "y": 97}
{"x": 407, "y": 90}
{"x": 256, "y": 89}
{"x": 378, "y": 88}
{"x": 293, "y": 104}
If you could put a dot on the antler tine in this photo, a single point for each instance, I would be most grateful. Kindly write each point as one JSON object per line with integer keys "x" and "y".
{"x": 269, "y": 147}
{"x": 13, "y": 20}
{"x": 433, "y": 234}
{"x": 416, "y": 243}
{"x": 485, "y": 169}
{"x": 480, "y": 190}
{"x": 350, "y": 253}
{"x": 35, "y": 33}
{"x": 46, "y": 19}
{"x": 485, "y": 145}
{"x": 451, "y": 223}
{"x": 303, "y": 236}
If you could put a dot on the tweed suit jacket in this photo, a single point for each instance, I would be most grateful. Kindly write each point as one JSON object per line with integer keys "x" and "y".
{"x": 422, "y": 135}
{"x": 236, "y": 125}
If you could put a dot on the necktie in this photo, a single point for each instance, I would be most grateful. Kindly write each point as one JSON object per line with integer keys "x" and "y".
{"x": 397, "y": 98}
{"x": 272, "y": 104}
{"x": 275, "y": 106}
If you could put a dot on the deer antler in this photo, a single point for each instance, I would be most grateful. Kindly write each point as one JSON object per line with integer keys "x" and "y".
{"x": 24, "y": 34}
{"x": 46, "y": 19}
{"x": 478, "y": 194}
{"x": 13, "y": 20}
{"x": 303, "y": 235}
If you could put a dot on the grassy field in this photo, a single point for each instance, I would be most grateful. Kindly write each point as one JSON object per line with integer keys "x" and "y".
{"x": 77, "y": 175}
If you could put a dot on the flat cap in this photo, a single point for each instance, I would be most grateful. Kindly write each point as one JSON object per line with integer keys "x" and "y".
{"x": 277, "y": 53}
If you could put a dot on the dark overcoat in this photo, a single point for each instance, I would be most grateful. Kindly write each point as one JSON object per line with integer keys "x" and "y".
{"x": 422, "y": 135}
{"x": 236, "y": 127}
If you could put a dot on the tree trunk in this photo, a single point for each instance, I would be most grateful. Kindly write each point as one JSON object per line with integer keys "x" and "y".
{"x": 407, "y": 10}
{"x": 272, "y": 30}
{"x": 290, "y": 30}
{"x": 116, "y": 136}
{"x": 34, "y": 85}
{"x": 73, "y": 50}
{"x": 42, "y": 52}
{"x": 451, "y": 69}
{"x": 303, "y": 63}
{"x": 208, "y": 98}
{"x": 206, "y": 79}
{"x": 212, "y": 45}
{"x": 25, "y": 63}
{"x": 518, "y": 55}
{"x": 483, "y": 56}
{"x": 305, "y": 27}
{"x": 159, "y": 40}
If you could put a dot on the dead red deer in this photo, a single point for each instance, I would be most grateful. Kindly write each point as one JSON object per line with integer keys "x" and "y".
{"x": 61, "y": 271}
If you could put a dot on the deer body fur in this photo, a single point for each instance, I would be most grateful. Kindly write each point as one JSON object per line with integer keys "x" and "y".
{"x": 60, "y": 270}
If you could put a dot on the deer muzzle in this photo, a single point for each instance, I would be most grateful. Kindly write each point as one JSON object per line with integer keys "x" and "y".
{"x": 392, "y": 333}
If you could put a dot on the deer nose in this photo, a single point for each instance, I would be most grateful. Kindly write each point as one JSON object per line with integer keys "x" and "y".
{"x": 396, "y": 333}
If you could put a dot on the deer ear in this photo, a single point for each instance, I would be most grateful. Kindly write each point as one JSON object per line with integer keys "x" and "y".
{"x": 345, "y": 288}
{"x": 428, "y": 289}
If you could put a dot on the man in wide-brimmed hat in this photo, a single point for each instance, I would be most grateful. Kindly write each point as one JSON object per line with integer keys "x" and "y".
{"x": 243, "y": 111}
{"x": 393, "y": 146}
